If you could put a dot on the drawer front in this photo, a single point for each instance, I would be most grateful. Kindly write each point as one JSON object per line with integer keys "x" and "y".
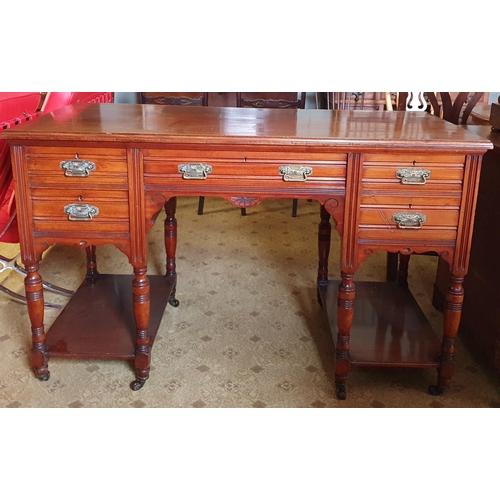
{"x": 411, "y": 199}
{"x": 76, "y": 166}
{"x": 227, "y": 170}
{"x": 77, "y": 212}
{"x": 400, "y": 224}
{"x": 383, "y": 217}
{"x": 406, "y": 171}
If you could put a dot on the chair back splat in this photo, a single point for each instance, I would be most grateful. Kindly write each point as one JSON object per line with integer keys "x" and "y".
{"x": 279, "y": 100}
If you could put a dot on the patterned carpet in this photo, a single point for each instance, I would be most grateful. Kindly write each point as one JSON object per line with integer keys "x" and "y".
{"x": 248, "y": 332}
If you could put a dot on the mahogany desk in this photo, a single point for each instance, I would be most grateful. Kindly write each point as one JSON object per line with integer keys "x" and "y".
{"x": 91, "y": 174}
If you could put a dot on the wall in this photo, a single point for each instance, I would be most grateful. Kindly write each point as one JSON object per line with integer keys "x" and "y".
{"x": 129, "y": 97}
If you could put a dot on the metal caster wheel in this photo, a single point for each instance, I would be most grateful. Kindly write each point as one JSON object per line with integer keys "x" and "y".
{"x": 434, "y": 390}
{"x": 44, "y": 377}
{"x": 341, "y": 394}
{"x": 138, "y": 384}
{"x": 173, "y": 302}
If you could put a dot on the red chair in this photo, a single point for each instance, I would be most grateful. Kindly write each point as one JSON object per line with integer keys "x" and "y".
{"x": 15, "y": 108}
{"x": 56, "y": 100}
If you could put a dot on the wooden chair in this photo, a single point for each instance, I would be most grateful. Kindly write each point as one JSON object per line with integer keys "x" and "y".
{"x": 356, "y": 100}
{"x": 175, "y": 98}
{"x": 15, "y": 108}
{"x": 179, "y": 99}
{"x": 276, "y": 100}
{"x": 454, "y": 107}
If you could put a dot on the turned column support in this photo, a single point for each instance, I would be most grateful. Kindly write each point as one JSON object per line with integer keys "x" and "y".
{"x": 35, "y": 302}
{"x": 141, "y": 301}
{"x": 451, "y": 321}
{"x": 345, "y": 313}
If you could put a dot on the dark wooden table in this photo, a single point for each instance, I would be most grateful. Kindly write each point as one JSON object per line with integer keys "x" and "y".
{"x": 480, "y": 115}
{"x": 94, "y": 174}
{"x": 481, "y": 313}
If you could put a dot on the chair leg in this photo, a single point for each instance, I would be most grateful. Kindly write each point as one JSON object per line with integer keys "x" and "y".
{"x": 21, "y": 299}
{"x": 295, "y": 206}
{"x": 48, "y": 286}
{"x": 243, "y": 211}
{"x": 201, "y": 203}
{"x": 12, "y": 265}
{"x": 392, "y": 266}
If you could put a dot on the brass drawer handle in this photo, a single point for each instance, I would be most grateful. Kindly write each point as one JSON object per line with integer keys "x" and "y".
{"x": 409, "y": 220}
{"x": 413, "y": 175}
{"x": 295, "y": 173}
{"x": 77, "y": 167}
{"x": 80, "y": 212}
{"x": 195, "y": 170}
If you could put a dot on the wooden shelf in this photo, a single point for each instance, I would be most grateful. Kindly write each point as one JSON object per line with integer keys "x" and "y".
{"x": 388, "y": 329}
{"x": 98, "y": 321}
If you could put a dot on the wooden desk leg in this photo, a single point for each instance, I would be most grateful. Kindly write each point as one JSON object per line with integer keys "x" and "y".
{"x": 345, "y": 313}
{"x": 170, "y": 232}
{"x": 451, "y": 322}
{"x": 34, "y": 297}
{"x": 402, "y": 277}
{"x": 141, "y": 300}
{"x": 324, "y": 239}
{"x": 92, "y": 272}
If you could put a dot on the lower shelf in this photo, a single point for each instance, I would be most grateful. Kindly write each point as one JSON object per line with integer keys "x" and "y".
{"x": 98, "y": 322}
{"x": 388, "y": 328}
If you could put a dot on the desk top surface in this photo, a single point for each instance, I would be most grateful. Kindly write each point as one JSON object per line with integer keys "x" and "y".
{"x": 191, "y": 125}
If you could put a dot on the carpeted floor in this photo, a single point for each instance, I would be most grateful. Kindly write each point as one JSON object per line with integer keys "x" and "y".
{"x": 248, "y": 332}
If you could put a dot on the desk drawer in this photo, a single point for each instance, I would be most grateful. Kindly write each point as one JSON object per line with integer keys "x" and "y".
{"x": 226, "y": 169}
{"x": 407, "y": 171}
{"x": 411, "y": 198}
{"x": 398, "y": 223}
{"x": 383, "y": 216}
{"x": 76, "y": 166}
{"x": 75, "y": 211}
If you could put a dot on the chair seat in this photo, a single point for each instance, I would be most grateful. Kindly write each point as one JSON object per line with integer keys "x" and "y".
{"x": 18, "y": 105}
{"x": 7, "y": 209}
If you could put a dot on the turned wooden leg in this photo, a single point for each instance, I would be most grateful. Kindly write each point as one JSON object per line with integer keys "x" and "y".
{"x": 345, "y": 313}
{"x": 34, "y": 298}
{"x": 451, "y": 322}
{"x": 141, "y": 301}
{"x": 92, "y": 272}
{"x": 170, "y": 231}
